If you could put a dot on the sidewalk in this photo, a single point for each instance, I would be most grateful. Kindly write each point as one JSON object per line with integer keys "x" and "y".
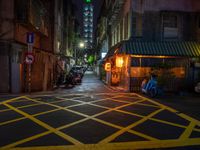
{"x": 115, "y": 88}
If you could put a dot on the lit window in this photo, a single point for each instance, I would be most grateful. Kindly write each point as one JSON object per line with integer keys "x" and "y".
{"x": 86, "y": 8}
{"x": 86, "y": 13}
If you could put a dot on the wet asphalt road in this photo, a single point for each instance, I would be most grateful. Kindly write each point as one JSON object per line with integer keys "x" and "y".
{"x": 93, "y": 116}
{"x": 90, "y": 84}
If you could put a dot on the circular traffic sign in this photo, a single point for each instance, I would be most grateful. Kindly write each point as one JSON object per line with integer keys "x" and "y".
{"x": 29, "y": 58}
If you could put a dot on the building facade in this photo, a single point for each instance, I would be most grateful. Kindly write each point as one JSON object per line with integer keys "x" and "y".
{"x": 68, "y": 31}
{"x": 43, "y": 18}
{"x": 18, "y": 18}
{"x": 141, "y": 31}
{"x": 88, "y": 18}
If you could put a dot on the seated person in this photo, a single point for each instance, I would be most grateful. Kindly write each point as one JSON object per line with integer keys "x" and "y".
{"x": 151, "y": 82}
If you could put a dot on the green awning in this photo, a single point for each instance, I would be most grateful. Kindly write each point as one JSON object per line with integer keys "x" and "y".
{"x": 183, "y": 49}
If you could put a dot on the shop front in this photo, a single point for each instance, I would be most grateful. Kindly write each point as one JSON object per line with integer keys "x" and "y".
{"x": 131, "y": 62}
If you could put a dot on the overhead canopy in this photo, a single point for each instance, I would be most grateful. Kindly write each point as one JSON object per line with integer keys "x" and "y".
{"x": 171, "y": 48}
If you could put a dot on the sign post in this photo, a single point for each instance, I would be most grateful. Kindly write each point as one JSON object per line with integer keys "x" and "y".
{"x": 29, "y": 59}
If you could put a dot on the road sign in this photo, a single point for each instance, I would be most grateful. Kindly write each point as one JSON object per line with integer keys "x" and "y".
{"x": 30, "y": 38}
{"x": 108, "y": 67}
{"x": 29, "y": 59}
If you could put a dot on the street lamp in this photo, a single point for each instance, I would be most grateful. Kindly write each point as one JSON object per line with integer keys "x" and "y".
{"x": 81, "y": 45}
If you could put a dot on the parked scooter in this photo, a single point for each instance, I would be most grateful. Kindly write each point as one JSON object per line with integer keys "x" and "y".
{"x": 150, "y": 87}
{"x": 70, "y": 80}
{"x": 76, "y": 76}
{"x": 60, "y": 79}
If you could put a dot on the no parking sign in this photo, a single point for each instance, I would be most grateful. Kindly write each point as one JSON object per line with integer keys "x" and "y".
{"x": 29, "y": 58}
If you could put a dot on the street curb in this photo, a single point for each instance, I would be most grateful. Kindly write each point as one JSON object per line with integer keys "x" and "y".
{"x": 114, "y": 88}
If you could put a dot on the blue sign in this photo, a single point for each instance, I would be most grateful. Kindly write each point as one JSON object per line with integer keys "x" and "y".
{"x": 30, "y": 38}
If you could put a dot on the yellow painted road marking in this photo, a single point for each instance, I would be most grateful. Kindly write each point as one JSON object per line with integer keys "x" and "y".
{"x": 11, "y": 121}
{"x": 159, "y": 104}
{"x": 43, "y": 134}
{"x": 19, "y": 100}
{"x": 130, "y": 103}
{"x": 142, "y": 135}
{"x": 121, "y": 146}
{"x": 148, "y": 105}
{"x": 59, "y": 133}
{"x": 94, "y": 100}
{"x": 188, "y": 131}
{"x": 10, "y": 100}
{"x": 9, "y": 146}
{"x": 189, "y": 118}
{"x": 79, "y": 112}
{"x": 4, "y": 110}
{"x": 41, "y": 113}
{"x": 60, "y": 128}
{"x": 153, "y": 119}
{"x": 121, "y": 128}
{"x": 182, "y": 115}
{"x": 18, "y": 119}
{"x": 157, "y": 120}
{"x": 149, "y": 144}
{"x": 113, "y": 136}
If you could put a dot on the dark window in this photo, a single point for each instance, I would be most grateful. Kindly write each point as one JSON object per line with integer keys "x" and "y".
{"x": 199, "y": 22}
{"x": 170, "y": 21}
{"x": 21, "y": 11}
{"x": 135, "y": 62}
{"x": 151, "y": 62}
{"x": 170, "y": 25}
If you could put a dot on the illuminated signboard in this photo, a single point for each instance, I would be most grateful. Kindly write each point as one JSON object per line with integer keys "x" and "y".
{"x": 119, "y": 61}
{"x": 107, "y": 67}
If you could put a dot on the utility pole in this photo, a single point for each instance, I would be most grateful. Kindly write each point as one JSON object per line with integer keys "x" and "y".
{"x": 29, "y": 58}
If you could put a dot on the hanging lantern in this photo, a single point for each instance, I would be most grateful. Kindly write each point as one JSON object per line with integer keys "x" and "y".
{"x": 108, "y": 66}
{"x": 119, "y": 61}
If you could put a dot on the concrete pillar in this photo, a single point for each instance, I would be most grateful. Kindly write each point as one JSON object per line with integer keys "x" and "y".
{"x": 15, "y": 78}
